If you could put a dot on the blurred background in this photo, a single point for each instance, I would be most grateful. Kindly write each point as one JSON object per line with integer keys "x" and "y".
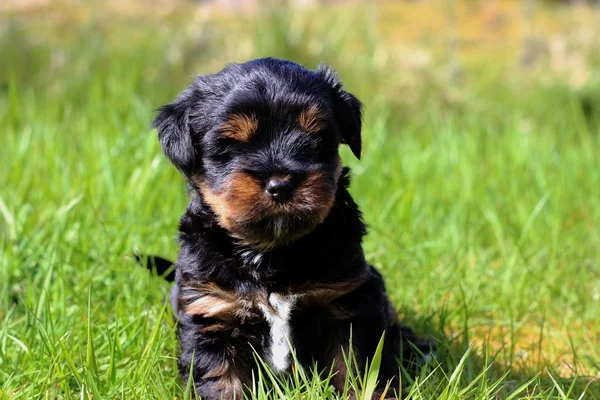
{"x": 480, "y": 177}
{"x": 447, "y": 56}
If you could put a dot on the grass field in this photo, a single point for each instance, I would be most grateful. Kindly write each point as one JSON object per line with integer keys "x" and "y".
{"x": 480, "y": 183}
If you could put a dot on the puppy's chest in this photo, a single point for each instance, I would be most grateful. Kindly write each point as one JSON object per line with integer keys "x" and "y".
{"x": 263, "y": 317}
{"x": 244, "y": 313}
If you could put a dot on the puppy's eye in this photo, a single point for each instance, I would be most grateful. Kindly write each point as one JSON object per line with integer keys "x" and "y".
{"x": 221, "y": 153}
{"x": 228, "y": 140}
{"x": 259, "y": 175}
{"x": 310, "y": 150}
{"x": 314, "y": 144}
{"x": 222, "y": 156}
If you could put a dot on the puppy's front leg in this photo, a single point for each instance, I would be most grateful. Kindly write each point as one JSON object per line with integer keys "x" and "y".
{"x": 219, "y": 359}
{"x": 366, "y": 315}
{"x": 365, "y": 336}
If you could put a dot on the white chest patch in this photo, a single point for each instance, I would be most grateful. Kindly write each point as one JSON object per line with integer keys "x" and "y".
{"x": 277, "y": 314}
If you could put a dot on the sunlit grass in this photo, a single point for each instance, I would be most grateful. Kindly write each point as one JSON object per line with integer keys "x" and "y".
{"x": 481, "y": 190}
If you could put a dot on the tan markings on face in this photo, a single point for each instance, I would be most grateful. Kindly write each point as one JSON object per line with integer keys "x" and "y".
{"x": 312, "y": 119}
{"x": 240, "y": 127}
{"x": 318, "y": 193}
{"x": 242, "y": 199}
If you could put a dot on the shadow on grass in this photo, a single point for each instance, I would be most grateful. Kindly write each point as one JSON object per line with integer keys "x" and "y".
{"x": 474, "y": 370}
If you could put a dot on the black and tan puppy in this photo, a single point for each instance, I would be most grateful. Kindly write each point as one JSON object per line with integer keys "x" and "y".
{"x": 271, "y": 239}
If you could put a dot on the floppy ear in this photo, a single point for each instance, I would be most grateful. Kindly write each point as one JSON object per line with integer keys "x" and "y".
{"x": 175, "y": 132}
{"x": 347, "y": 110}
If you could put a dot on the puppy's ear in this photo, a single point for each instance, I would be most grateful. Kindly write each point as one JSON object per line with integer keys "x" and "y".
{"x": 347, "y": 110}
{"x": 175, "y": 131}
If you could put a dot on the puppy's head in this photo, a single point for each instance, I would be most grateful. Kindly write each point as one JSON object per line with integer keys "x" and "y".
{"x": 259, "y": 142}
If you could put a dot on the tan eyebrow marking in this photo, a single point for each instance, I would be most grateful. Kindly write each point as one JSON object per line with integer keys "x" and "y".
{"x": 240, "y": 127}
{"x": 312, "y": 118}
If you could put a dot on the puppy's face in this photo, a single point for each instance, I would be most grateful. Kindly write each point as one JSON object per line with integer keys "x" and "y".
{"x": 259, "y": 142}
{"x": 270, "y": 175}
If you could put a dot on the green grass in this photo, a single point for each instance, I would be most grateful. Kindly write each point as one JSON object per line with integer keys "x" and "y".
{"x": 482, "y": 193}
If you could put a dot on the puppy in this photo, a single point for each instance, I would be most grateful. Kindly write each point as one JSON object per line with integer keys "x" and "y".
{"x": 271, "y": 250}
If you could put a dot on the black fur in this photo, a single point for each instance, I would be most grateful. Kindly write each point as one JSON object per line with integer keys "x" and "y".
{"x": 229, "y": 265}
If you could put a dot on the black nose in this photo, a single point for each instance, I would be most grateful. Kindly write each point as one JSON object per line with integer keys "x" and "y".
{"x": 279, "y": 189}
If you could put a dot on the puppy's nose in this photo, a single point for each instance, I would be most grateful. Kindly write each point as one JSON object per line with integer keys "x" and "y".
{"x": 279, "y": 189}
